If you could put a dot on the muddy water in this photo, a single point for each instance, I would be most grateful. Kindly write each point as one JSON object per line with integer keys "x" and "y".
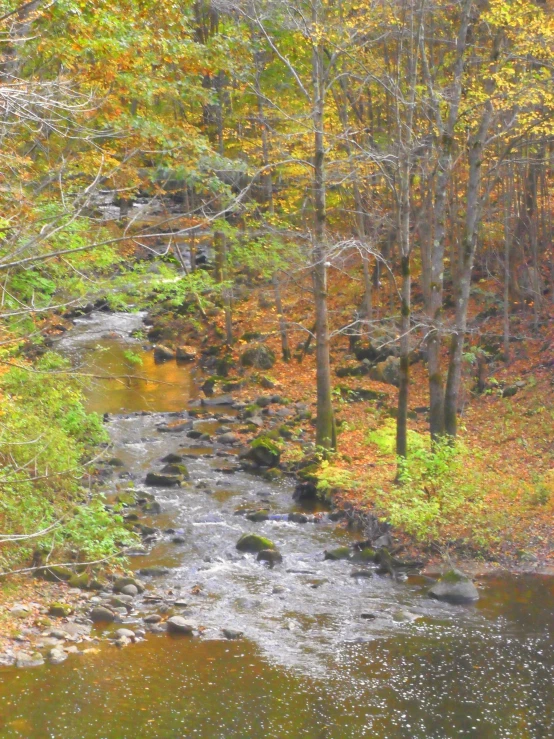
{"x": 310, "y": 664}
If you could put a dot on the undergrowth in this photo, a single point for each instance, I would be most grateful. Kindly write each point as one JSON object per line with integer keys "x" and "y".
{"x": 47, "y": 442}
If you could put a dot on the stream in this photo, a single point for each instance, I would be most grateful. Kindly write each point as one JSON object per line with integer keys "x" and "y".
{"x": 325, "y": 655}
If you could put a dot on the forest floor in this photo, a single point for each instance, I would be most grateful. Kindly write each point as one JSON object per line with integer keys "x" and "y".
{"x": 494, "y": 500}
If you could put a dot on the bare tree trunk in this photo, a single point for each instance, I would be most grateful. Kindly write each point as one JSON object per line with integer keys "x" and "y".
{"x": 325, "y": 422}
{"x": 436, "y": 261}
{"x": 405, "y": 318}
{"x": 473, "y": 210}
{"x": 282, "y": 323}
{"x": 506, "y": 306}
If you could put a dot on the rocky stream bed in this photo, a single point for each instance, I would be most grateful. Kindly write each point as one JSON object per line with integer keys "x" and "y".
{"x": 299, "y": 631}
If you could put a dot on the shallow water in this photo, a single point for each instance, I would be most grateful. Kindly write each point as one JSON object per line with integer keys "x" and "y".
{"x": 310, "y": 665}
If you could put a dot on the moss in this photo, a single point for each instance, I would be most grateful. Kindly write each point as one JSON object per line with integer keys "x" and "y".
{"x": 309, "y": 473}
{"x": 273, "y": 473}
{"x": 338, "y": 553}
{"x": 254, "y": 543}
{"x": 365, "y": 555}
{"x": 60, "y": 610}
{"x": 79, "y": 581}
{"x": 453, "y": 576}
{"x": 56, "y": 574}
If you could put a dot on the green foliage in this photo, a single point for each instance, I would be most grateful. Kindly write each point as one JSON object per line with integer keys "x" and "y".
{"x": 431, "y": 492}
{"x": 384, "y": 438}
{"x": 134, "y": 359}
{"x": 46, "y": 438}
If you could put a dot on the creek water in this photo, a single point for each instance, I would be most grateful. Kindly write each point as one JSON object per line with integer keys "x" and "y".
{"x": 325, "y": 655}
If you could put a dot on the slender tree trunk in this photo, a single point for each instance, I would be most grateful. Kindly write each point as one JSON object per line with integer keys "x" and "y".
{"x": 473, "y": 209}
{"x": 507, "y": 249}
{"x": 405, "y": 318}
{"x": 325, "y": 421}
{"x": 282, "y": 322}
{"x": 436, "y": 261}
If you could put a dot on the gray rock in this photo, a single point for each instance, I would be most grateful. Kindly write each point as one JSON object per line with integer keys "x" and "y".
{"x": 126, "y": 633}
{"x": 153, "y": 618}
{"x": 7, "y": 660}
{"x": 102, "y": 614}
{"x": 19, "y": 611}
{"x": 121, "y": 582}
{"x": 163, "y": 353}
{"x": 162, "y": 481}
{"x": 454, "y": 587}
{"x": 130, "y": 589}
{"x": 178, "y": 625}
{"x": 26, "y": 659}
{"x": 218, "y": 400}
{"x": 270, "y": 555}
{"x": 154, "y": 571}
{"x": 228, "y": 438}
{"x": 57, "y": 656}
{"x": 259, "y": 356}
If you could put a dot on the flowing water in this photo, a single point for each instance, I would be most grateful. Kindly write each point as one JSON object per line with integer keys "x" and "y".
{"x": 325, "y": 655}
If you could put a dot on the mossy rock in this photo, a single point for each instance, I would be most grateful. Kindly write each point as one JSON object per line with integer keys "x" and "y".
{"x": 251, "y": 335}
{"x": 127, "y": 499}
{"x": 272, "y": 474}
{"x": 80, "y": 581}
{"x": 176, "y": 469}
{"x": 258, "y": 516}
{"x": 365, "y": 555}
{"x": 254, "y": 543}
{"x": 259, "y": 356}
{"x": 310, "y": 473}
{"x": 56, "y": 574}
{"x": 224, "y": 364}
{"x": 286, "y": 432}
{"x": 454, "y": 587}
{"x": 265, "y": 451}
{"x": 162, "y": 481}
{"x": 339, "y": 553}
{"x": 60, "y": 610}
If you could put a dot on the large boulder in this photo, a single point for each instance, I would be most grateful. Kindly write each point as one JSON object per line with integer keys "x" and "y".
{"x": 264, "y": 452}
{"x": 259, "y": 356}
{"x": 254, "y": 543}
{"x": 387, "y": 371}
{"x": 454, "y": 587}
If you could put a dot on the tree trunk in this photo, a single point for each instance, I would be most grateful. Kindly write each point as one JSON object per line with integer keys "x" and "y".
{"x": 405, "y": 319}
{"x": 473, "y": 210}
{"x": 325, "y": 421}
{"x": 282, "y": 323}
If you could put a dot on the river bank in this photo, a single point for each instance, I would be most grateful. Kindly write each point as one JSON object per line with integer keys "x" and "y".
{"x": 292, "y": 649}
